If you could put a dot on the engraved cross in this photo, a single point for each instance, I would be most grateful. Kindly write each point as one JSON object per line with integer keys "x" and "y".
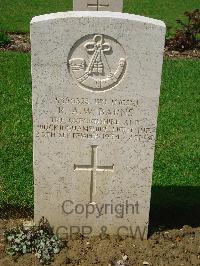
{"x": 93, "y": 168}
{"x": 98, "y": 4}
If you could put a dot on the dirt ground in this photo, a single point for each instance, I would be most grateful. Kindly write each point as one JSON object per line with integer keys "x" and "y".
{"x": 21, "y": 43}
{"x": 163, "y": 248}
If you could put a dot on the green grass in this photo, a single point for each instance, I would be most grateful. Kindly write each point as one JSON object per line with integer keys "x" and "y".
{"x": 176, "y": 178}
{"x": 168, "y": 11}
{"x": 178, "y": 144}
{"x": 176, "y": 182}
{"x": 16, "y": 130}
{"x": 15, "y": 15}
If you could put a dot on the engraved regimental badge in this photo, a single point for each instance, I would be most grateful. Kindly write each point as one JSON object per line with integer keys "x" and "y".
{"x": 97, "y": 62}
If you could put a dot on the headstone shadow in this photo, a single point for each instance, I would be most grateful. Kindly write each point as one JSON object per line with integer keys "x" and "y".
{"x": 172, "y": 207}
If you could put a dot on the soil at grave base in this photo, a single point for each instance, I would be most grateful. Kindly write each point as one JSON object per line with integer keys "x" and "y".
{"x": 21, "y": 43}
{"x": 172, "y": 247}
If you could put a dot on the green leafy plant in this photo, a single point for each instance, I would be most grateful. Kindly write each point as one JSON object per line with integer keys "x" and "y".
{"x": 4, "y": 39}
{"x": 187, "y": 37}
{"x": 35, "y": 239}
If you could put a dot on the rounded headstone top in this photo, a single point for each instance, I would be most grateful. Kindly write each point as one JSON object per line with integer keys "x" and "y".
{"x": 97, "y": 14}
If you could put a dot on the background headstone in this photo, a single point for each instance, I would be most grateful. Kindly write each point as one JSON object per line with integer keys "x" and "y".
{"x": 96, "y": 85}
{"x": 98, "y": 5}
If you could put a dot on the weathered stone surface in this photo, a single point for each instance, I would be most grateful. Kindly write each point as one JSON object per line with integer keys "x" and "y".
{"x": 98, "y": 5}
{"x": 96, "y": 85}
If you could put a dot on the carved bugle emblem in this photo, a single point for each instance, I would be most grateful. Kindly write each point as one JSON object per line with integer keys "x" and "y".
{"x": 98, "y": 64}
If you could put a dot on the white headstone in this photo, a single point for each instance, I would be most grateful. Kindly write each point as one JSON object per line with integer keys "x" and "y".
{"x": 96, "y": 84}
{"x": 98, "y": 5}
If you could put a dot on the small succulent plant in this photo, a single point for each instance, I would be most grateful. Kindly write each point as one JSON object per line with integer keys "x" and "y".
{"x": 35, "y": 239}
